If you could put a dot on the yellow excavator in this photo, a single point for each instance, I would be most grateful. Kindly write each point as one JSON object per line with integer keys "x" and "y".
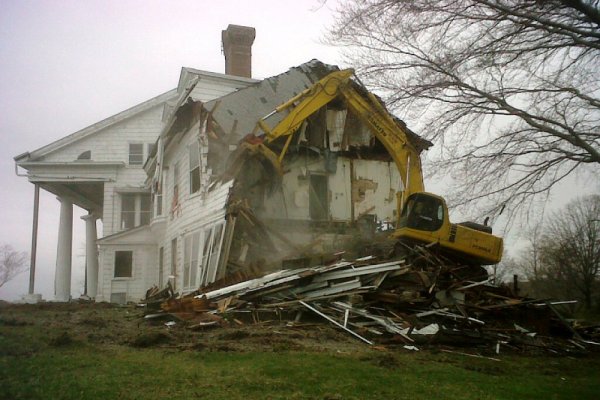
{"x": 423, "y": 217}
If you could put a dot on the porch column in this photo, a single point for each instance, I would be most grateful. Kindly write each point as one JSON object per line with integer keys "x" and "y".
{"x": 32, "y": 297}
{"x": 91, "y": 254}
{"x": 62, "y": 276}
{"x": 34, "y": 234}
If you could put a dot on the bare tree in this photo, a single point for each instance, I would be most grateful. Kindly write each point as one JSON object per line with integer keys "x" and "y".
{"x": 509, "y": 90}
{"x": 504, "y": 271}
{"x": 565, "y": 260}
{"x": 12, "y": 263}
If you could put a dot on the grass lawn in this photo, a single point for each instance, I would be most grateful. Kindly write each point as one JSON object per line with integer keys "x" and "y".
{"x": 43, "y": 357}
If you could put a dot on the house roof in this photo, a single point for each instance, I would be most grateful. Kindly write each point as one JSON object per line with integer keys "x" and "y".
{"x": 239, "y": 111}
{"x": 98, "y": 126}
{"x": 188, "y": 73}
{"x": 138, "y": 235}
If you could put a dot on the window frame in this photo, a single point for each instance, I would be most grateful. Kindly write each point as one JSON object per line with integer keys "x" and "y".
{"x": 202, "y": 252}
{"x": 115, "y": 266}
{"x": 128, "y": 217}
{"x": 195, "y": 174}
{"x": 140, "y": 216}
{"x": 145, "y": 214}
{"x": 161, "y": 266}
{"x": 141, "y": 155}
{"x": 191, "y": 253}
{"x": 138, "y": 154}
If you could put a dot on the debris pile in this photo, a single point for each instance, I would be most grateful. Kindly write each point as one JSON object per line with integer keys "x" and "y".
{"x": 415, "y": 301}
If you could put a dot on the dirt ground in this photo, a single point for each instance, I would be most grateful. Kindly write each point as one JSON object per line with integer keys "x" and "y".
{"x": 108, "y": 324}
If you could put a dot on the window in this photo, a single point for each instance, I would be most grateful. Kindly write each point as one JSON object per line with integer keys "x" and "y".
{"x": 158, "y": 200}
{"x": 136, "y": 210}
{"x": 194, "y": 157}
{"x": 211, "y": 271}
{"x": 139, "y": 152}
{"x": 86, "y": 155}
{"x": 190, "y": 262}
{"x": 318, "y": 195}
{"x": 199, "y": 268}
{"x": 136, "y": 153}
{"x": 123, "y": 264}
{"x": 210, "y": 256}
{"x": 161, "y": 266}
{"x": 127, "y": 211}
{"x": 422, "y": 212}
{"x": 145, "y": 209}
{"x": 206, "y": 253}
{"x": 173, "y": 263}
{"x": 175, "y": 201}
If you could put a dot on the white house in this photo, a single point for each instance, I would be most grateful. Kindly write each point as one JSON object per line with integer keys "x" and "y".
{"x": 100, "y": 168}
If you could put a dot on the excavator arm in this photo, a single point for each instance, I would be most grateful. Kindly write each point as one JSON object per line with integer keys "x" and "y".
{"x": 423, "y": 217}
{"x": 367, "y": 107}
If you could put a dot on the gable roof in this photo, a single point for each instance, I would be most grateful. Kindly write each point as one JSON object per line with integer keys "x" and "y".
{"x": 98, "y": 126}
{"x": 189, "y": 73}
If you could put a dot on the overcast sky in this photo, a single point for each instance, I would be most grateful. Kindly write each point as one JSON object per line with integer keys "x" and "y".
{"x": 65, "y": 65}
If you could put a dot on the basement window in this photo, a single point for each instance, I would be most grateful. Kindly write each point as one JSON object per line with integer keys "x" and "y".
{"x": 123, "y": 264}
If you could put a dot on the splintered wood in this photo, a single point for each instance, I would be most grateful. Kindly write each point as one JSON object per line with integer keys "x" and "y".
{"x": 421, "y": 299}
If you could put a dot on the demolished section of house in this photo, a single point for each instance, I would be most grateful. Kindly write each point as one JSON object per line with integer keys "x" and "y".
{"x": 289, "y": 169}
{"x": 235, "y": 207}
{"x": 291, "y": 178}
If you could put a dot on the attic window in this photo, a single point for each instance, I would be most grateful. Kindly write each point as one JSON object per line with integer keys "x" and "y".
{"x": 136, "y": 153}
{"x": 86, "y": 155}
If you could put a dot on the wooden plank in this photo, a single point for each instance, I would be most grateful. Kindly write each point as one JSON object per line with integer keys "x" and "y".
{"x": 335, "y": 323}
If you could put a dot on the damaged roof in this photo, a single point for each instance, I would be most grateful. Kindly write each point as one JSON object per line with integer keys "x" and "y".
{"x": 237, "y": 113}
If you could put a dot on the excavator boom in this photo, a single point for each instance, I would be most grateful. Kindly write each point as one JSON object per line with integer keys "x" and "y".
{"x": 423, "y": 217}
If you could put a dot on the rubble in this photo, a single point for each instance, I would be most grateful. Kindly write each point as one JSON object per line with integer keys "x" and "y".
{"x": 421, "y": 299}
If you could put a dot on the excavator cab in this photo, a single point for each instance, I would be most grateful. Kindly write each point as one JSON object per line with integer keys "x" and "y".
{"x": 423, "y": 212}
{"x": 424, "y": 219}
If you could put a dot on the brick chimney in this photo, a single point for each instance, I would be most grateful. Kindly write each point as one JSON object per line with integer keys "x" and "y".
{"x": 237, "y": 46}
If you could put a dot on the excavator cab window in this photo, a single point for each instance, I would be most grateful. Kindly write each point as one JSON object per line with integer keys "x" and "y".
{"x": 422, "y": 212}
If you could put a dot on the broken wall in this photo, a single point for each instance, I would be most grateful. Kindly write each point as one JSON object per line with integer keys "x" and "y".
{"x": 355, "y": 189}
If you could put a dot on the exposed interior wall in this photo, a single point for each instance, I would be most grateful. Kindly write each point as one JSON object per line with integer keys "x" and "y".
{"x": 339, "y": 185}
